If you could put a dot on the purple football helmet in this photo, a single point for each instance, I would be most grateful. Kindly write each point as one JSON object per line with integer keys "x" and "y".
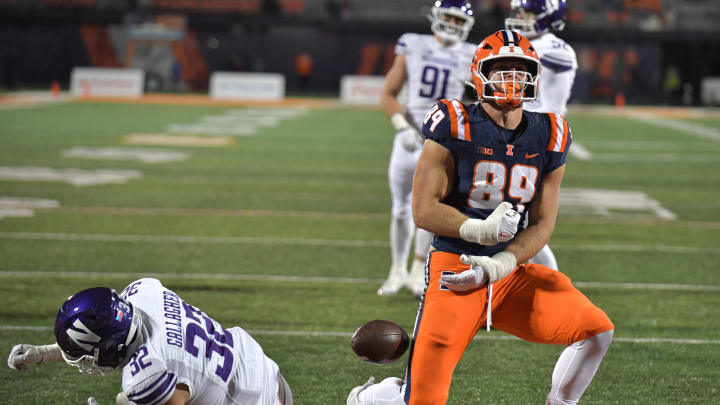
{"x": 94, "y": 329}
{"x": 532, "y": 18}
{"x": 448, "y": 30}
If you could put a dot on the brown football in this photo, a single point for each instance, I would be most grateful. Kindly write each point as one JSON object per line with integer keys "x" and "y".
{"x": 380, "y": 341}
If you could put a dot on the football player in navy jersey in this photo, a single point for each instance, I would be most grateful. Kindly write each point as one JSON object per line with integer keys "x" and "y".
{"x": 487, "y": 185}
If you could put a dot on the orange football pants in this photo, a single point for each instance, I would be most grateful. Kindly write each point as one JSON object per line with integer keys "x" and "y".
{"x": 534, "y": 303}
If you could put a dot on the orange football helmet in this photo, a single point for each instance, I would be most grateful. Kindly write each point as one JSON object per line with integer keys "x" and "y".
{"x": 505, "y": 87}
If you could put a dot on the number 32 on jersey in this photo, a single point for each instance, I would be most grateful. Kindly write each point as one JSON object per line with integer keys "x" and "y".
{"x": 490, "y": 178}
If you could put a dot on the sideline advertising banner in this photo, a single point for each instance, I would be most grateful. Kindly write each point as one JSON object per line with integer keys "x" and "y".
{"x": 106, "y": 82}
{"x": 247, "y": 86}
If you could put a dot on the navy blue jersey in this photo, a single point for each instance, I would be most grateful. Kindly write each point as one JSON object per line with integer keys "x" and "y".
{"x": 494, "y": 164}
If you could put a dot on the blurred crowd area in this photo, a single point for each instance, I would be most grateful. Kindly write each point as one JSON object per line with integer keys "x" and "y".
{"x": 629, "y": 51}
{"x": 646, "y": 15}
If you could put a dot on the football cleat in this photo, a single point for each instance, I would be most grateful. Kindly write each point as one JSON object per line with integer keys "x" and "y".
{"x": 94, "y": 329}
{"x": 354, "y": 396}
{"x": 445, "y": 27}
{"x": 506, "y": 86}
{"x": 532, "y": 18}
{"x": 395, "y": 281}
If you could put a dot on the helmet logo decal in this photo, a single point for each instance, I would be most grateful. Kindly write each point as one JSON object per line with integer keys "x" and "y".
{"x": 83, "y": 336}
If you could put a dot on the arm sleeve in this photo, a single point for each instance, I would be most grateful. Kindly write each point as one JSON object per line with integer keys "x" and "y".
{"x": 436, "y": 125}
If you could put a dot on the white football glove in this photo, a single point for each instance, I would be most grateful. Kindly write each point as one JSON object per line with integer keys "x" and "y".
{"x": 410, "y": 139}
{"x": 21, "y": 355}
{"x": 483, "y": 269}
{"x": 122, "y": 399}
{"x": 500, "y": 226}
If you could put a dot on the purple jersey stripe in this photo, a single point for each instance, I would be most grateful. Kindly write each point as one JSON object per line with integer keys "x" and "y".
{"x": 150, "y": 387}
{"x": 557, "y": 59}
{"x": 166, "y": 395}
{"x": 555, "y": 66}
{"x": 160, "y": 393}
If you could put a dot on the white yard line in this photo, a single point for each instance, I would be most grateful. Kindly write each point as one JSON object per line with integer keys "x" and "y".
{"x": 321, "y": 280}
{"x": 480, "y": 336}
{"x": 194, "y": 276}
{"x": 256, "y": 240}
{"x": 226, "y": 212}
{"x": 350, "y": 215}
{"x": 580, "y": 152}
{"x": 699, "y": 130}
{"x": 253, "y": 240}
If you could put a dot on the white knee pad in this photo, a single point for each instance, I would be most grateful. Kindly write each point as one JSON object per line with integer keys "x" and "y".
{"x": 400, "y": 175}
{"x": 423, "y": 239}
{"x": 401, "y": 233}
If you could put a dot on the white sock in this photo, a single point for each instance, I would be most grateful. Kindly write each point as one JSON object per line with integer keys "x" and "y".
{"x": 576, "y": 367}
{"x": 545, "y": 257}
{"x": 401, "y": 232}
{"x": 387, "y": 392}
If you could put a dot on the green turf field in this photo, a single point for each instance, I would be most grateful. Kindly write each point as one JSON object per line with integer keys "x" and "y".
{"x": 285, "y": 233}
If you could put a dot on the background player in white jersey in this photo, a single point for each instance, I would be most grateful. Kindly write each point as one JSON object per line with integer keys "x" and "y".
{"x": 433, "y": 67}
{"x": 536, "y": 19}
{"x": 169, "y": 351}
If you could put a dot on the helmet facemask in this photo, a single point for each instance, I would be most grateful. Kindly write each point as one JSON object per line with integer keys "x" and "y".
{"x": 508, "y": 87}
{"x": 87, "y": 364}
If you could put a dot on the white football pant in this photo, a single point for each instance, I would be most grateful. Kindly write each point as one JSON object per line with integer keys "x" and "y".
{"x": 402, "y": 228}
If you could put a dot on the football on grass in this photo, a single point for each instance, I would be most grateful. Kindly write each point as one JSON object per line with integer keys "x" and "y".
{"x": 380, "y": 342}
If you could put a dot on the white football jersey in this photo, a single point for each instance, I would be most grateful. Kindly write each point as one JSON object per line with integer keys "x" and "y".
{"x": 434, "y": 71}
{"x": 559, "y": 65}
{"x": 185, "y": 346}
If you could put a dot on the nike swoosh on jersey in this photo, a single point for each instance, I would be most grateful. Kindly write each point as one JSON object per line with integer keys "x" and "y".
{"x": 529, "y": 156}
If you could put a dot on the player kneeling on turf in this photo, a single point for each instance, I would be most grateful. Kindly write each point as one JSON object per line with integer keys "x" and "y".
{"x": 484, "y": 167}
{"x": 169, "y": 351}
